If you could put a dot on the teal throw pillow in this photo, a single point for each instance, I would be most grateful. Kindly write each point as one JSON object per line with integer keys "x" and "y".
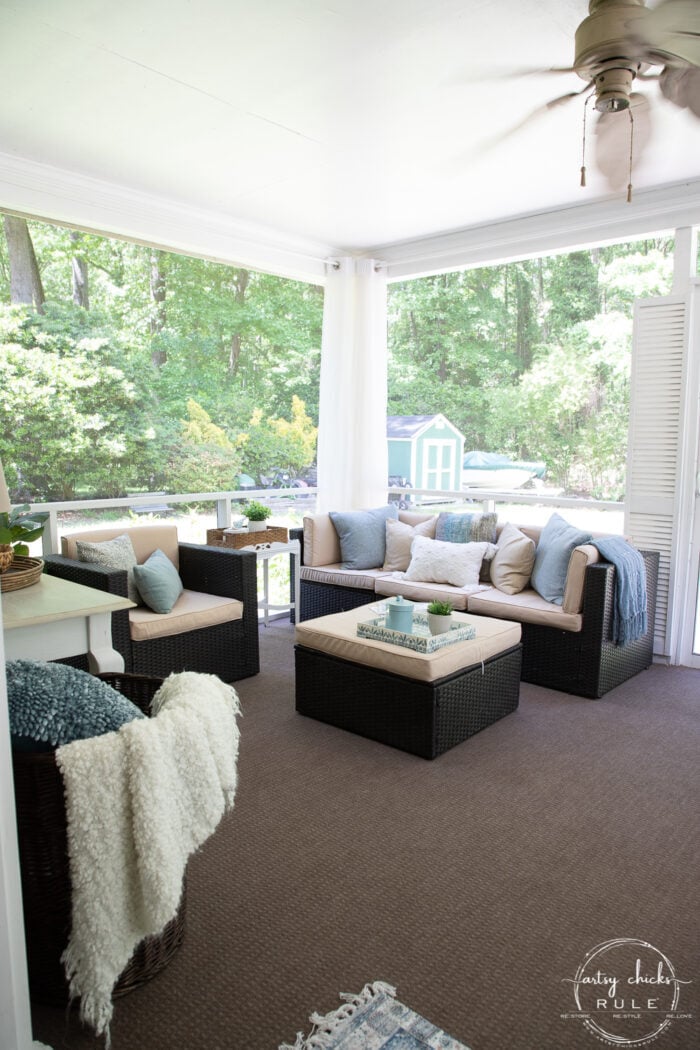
{"x": 466, "y": 528}
{"x": 362, "y": 535}
{"x": 557, "y": 541}
{"x": 52, "y": 704}
{"x": 112, "y": 554}
{"x": 158, "y": 582}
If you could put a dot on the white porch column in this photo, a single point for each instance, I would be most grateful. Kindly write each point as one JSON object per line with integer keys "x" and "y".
{"x": 352, "y": 447}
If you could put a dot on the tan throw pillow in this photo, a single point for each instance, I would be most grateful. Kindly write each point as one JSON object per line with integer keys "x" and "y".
{"x": 399, "y": 537}
{"x": 512, "y": 564}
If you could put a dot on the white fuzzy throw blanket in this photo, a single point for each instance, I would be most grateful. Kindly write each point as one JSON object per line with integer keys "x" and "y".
{"x": 139, "y": 801}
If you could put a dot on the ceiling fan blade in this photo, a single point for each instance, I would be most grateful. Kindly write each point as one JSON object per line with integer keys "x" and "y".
{"x": 673, "y": 28}
{"x": 541, "y": 111}
{"x": 682, "y": 87}
{"x": 612, "y": 140}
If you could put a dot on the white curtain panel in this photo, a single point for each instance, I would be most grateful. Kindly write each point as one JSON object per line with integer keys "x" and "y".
{"x": 352, "y": 447}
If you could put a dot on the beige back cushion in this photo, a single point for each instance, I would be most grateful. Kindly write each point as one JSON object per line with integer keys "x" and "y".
{"x": 144, "y": 538}
{"x": 581, "y": 557}
{"x": 321, "y": 543}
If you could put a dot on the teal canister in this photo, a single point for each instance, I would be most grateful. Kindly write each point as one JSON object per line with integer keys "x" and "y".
{"x": 399, "y": 614}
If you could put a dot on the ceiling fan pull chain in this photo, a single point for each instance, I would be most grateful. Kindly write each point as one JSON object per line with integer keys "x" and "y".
{"x": 583, "y": 145}
{"x": 629, "y": 184}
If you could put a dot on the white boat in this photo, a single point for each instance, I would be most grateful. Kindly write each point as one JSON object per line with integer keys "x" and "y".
{"x": 490, "y": 470}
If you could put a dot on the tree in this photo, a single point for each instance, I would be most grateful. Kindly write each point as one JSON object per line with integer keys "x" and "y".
{"x": 25, "y": 279}
{"x": 70, "y": 420}
{"x": 79, "y": 269}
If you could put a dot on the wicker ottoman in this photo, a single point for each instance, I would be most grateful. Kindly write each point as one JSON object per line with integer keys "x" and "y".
{"x": 420, "y": 703}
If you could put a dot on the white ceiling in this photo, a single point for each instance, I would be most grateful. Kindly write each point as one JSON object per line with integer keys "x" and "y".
{"x": 357, "y": 123}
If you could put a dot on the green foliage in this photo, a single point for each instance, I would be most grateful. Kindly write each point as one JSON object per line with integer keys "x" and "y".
{"x": 270, "y": 443}
{"x": 70, "y": 419}
{"x": 440, "y": 608}
{"x": 19, "y": 527}
{"x": 100, "y": 399}
{"x": 532, "y": 358}
{"x": 256, "y": 511}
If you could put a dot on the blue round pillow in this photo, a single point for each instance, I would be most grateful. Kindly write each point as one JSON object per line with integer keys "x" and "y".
{"x": 51, "y": 704}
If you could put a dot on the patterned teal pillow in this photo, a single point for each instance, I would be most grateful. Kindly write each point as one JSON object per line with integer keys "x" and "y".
{"x": 362, "y": 535}
{"x": 158, "y": 582}
{"x": 466, "y": 528}
{"x": 557, "y": 541}
{"x": 52, "y": 704}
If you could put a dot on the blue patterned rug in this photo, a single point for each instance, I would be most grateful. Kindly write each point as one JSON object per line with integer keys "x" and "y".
{"x": 373, "y": 1020}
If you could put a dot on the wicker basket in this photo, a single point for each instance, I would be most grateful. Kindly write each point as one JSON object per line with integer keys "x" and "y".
{"x": 272, "y": 534}
{"x": 23, "y": 572}
{"x": 46, "y": 886}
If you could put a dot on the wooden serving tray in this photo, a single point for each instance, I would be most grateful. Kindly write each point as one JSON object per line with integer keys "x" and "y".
{"x": 272, "y": 534}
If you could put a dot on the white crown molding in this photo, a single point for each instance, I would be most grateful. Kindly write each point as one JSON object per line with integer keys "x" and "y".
{"x": 74, "y": 199}
{"x": 584, "y": 225}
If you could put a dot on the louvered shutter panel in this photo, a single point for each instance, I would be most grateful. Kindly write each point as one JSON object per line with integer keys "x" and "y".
{"x": 659, "y": 354}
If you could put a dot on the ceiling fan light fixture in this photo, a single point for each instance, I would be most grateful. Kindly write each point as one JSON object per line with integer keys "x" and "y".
{"x": 612, "y": 90}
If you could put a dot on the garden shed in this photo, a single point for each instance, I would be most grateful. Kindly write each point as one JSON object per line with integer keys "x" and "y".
{"x": 425, "y": 450}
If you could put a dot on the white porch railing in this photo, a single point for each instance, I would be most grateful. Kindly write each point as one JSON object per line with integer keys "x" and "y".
{"x": 489, "y": 499}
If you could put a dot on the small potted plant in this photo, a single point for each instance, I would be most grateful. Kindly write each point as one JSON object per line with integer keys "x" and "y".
{"x": 257, "y": 514}
{"x": 18, "y": 527}
{"x": 439, "y": 617}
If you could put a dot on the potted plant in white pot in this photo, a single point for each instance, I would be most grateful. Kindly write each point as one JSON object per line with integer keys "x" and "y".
{"x": 439, "y": 617}
{"x": 257, "y": 515}
{"x": 18, "y": 527}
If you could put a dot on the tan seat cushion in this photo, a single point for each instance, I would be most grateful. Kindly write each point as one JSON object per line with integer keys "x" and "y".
{"x": 527, "y": 607}
{"x": 191, "y": 612}
{"x": 388, "y": 586}
{"x": 336, "y": 574}
{"x": 337, "y": 636}
{"x": 145, "y": 540}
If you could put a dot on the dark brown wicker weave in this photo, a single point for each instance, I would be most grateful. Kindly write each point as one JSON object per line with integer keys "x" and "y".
{"x": 323, "y": 599}
{"x": 46, "y": 885}
{"x": 424, "y": 718}
{"x": 228, "y": 650}
{"x": 586, "y": 662}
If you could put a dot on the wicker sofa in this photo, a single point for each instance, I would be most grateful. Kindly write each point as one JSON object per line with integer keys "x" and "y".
{"x": 567, "y": 647}
{"x": 213, "y": 627}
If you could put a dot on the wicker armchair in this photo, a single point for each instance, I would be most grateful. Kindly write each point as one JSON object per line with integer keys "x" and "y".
{"x": 229, "y": 649}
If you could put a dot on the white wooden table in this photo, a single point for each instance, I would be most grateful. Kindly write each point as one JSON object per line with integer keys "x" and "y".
{"x": 55, "y": 618}
{"x": 263, "y": 552}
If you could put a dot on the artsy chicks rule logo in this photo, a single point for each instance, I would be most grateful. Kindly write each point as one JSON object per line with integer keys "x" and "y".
{"x": 627, "y": 992}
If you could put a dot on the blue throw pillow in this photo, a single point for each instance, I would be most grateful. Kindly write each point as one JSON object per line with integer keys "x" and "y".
{"x": 51, "y": 704}
{"x": 362, "y": 535}
{"x": 557, "y": 541}
{"x": 158, "y": 582}
{"x": 466, "y": 528}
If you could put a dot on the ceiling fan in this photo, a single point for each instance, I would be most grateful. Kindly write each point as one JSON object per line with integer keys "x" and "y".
{"x": 623, "y": 41}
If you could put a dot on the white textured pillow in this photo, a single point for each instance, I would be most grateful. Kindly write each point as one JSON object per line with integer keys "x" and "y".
{"x": 399, "y": 537}
{"x": 512, "y": 563}
{"x": 437, "y": 561}
{"x": 112, "y": 554}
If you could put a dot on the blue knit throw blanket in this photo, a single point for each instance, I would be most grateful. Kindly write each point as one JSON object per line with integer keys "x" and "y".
{"x": 630, "y": 601}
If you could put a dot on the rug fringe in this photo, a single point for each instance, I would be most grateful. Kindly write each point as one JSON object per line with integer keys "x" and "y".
{"x": 325, "y": 1025}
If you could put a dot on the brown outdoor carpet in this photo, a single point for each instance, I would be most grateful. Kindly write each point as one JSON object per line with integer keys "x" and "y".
{"x": 474, "y": 884}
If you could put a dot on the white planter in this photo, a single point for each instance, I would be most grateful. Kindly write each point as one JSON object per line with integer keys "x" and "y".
{"x": 439, "y": 624}
{"x": 257, "y": 526}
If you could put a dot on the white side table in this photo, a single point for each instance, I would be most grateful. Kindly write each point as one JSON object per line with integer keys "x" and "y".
{"x": 265, "y": 551}
{"x": 56, "y": 618}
